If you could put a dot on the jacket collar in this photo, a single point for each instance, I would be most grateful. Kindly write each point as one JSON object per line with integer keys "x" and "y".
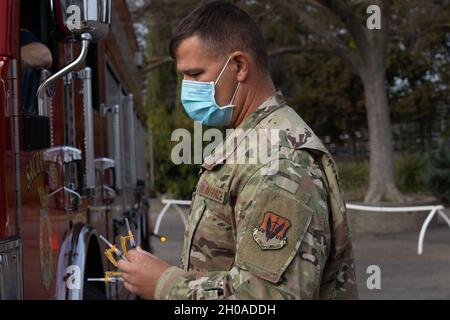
{"x": 231, "y": 143}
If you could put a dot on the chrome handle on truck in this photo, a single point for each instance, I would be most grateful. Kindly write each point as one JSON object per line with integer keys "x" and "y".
{"x": 132, "y": 137}
{"x": 85, "y": 41}
{"x": 86, "y": 77}
{"x": 115, "y": 113}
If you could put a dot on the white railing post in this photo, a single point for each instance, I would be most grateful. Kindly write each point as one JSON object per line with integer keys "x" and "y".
{"x": 167, "y": 204}
{"x": 423, "y": 230}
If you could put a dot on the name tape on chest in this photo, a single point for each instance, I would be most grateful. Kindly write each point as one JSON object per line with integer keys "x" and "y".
{"x": 212, "y": 192}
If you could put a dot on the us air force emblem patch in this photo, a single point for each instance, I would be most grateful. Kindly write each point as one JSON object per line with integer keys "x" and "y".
{"x": 270, "y": 235}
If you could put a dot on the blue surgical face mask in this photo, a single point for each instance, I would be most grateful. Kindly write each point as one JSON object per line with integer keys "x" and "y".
{"x": 198, "y": 99}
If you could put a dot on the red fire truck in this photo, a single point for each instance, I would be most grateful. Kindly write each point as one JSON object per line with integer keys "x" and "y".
{"x": 72, "y": 148}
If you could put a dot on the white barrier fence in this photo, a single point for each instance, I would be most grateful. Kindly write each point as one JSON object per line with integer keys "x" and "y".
{"x": 167, "y": 204}
{"x": 432, "y": 209}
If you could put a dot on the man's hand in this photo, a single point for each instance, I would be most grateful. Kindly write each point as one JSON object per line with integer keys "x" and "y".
{"x": 142, "y": 273}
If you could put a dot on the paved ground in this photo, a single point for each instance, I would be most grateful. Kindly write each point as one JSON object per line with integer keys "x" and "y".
{"x": 404, "y": 274}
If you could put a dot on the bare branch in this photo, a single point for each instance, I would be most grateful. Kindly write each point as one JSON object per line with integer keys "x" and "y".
{"x": 155, "y": 63}
{"x": 345, "y": 14}
{"x": 318, "y": 30}
{"x": 297, "y": 49}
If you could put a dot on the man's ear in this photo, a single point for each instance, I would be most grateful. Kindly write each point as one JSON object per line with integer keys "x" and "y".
{"x": 242, "y": 61}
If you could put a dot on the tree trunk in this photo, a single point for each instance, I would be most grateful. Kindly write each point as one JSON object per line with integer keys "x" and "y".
{"x": 349, "y": 128}
{"x": 382, "y": 170}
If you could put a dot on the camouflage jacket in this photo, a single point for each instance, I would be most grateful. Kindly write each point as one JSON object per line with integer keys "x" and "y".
{"x": 271, "y": 229}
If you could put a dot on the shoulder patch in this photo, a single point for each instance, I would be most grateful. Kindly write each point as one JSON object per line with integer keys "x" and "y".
{"x": 271, "y": 234}
{"x": 272, "y": 231}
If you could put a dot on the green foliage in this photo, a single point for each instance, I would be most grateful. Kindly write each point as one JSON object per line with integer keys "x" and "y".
{"x": 438, "y": 175}
{"x": 178, "y": 180}
{"x": 314, "y": 84}
{"x": 354, "y": 176}
{"x": 411, "y": 172}
{"x": 411, "y": 169}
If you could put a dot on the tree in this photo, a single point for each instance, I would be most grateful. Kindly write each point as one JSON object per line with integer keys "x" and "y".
{"x": 325, "y": 93}
{"x": 338, "y": 25}
{"x": 417, "y": 74}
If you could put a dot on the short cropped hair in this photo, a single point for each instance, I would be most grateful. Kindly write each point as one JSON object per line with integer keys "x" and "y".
{"x": 223, "y": 28}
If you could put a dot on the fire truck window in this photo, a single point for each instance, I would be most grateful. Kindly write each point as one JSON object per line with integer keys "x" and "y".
{"x": 30, "y": 84}
{"x": 35, "y": 54}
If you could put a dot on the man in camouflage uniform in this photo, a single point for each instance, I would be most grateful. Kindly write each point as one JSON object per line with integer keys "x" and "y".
{"x": 275, "y": 228}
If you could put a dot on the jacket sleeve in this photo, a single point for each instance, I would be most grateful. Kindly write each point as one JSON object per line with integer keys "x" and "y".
{"x": 282, "y": 241}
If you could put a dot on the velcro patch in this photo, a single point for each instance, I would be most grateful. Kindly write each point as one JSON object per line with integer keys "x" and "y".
{"x": 286, "y": 184}
{"x": 212, "y": 192}
{"x": 270, "y": 235}
{"x": 267, "y": 255}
